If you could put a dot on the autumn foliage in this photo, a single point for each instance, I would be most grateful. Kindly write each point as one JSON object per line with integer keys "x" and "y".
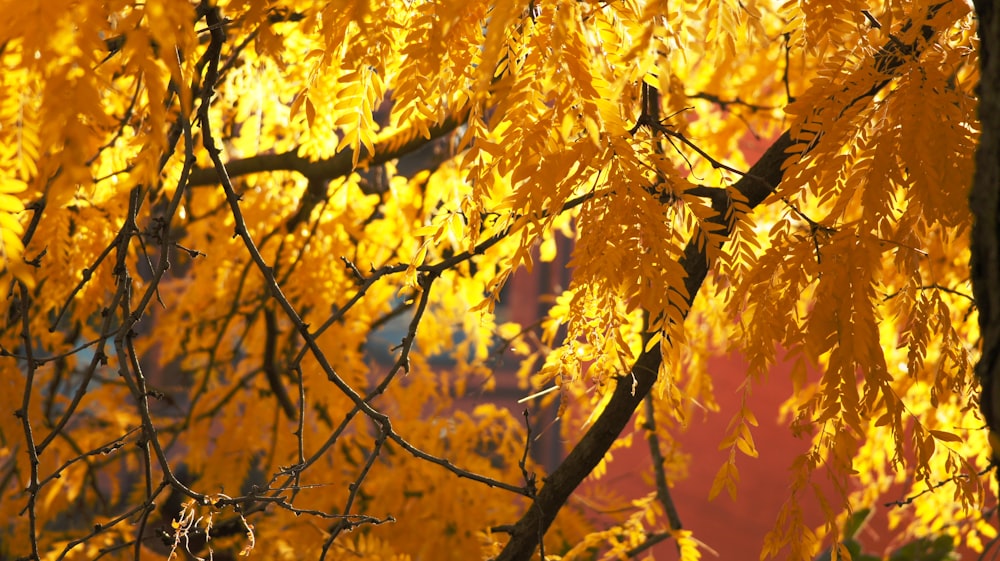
{"x": 212, "y": 213}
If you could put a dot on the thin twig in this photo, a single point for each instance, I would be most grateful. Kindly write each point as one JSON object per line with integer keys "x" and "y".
{"x": 659, "y": 471}
{"x": 938, "y": 485}
{"x": 725, "y": 103}
{"x": 23, "y": 414}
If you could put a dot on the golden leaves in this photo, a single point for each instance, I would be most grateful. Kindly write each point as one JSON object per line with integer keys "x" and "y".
{"x": 11, "y": 247}
{"x": 856, "y": 267}
{"x": 812, "y": 23}
{"x": 687, "y": 545}
{"x": 356, "y": 103}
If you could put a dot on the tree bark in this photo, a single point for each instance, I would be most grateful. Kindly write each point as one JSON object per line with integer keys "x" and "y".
{"x": 984, "y": 200}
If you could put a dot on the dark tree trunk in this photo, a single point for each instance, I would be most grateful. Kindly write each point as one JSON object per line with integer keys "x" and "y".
{"x": 985, "y": 203}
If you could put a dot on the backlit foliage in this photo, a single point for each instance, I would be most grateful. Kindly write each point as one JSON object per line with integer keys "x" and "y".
{"x": 206, "y": 227}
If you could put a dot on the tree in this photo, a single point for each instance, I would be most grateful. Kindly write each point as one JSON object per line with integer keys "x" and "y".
{"x": 210, "y": 209}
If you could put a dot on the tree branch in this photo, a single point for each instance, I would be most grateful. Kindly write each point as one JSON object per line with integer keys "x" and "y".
{"x": 662, "y": 487}
{"x": 760, "y": 181}
{"x": 330, "y": 168}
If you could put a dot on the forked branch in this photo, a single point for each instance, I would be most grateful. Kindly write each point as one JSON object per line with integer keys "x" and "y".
{"x": 756, "y": 185}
